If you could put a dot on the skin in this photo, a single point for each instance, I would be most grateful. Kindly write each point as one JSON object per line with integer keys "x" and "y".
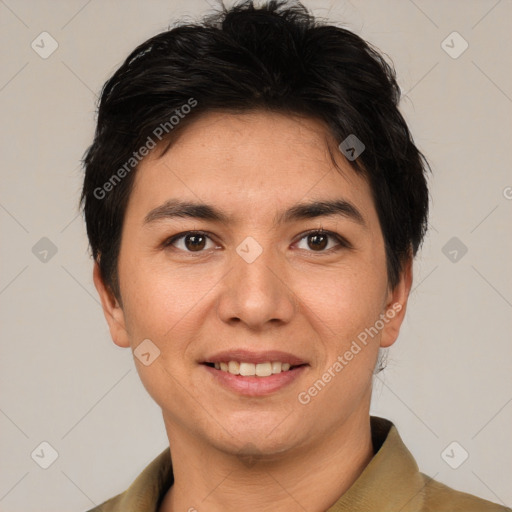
{"x": 262, "y": 453}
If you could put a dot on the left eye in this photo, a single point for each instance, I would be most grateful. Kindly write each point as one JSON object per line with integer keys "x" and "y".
{"x": 320, "y": 240}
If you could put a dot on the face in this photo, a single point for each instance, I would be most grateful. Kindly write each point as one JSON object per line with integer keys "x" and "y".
{"x": 254, "y": 284}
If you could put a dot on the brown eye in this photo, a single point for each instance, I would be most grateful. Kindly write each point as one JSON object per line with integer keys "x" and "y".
{"x": 318, "y": 241}
{"x": 195, "y": 242}
{"x": 189, "y": 242}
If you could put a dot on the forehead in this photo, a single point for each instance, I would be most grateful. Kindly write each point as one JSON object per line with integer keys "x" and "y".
{"x": 249, "y": 163}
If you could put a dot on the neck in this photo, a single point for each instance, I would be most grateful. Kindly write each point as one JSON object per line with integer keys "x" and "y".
{"x": 207, "y": 479}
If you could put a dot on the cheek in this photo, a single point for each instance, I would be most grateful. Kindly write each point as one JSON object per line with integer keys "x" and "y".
{"x": 344, "y": 301}
{"x": 163, "y": 308}
{"x": 162, "y": 303}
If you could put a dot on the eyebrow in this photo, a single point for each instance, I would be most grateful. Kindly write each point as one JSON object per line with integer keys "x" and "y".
{"x": 175, "y": 208}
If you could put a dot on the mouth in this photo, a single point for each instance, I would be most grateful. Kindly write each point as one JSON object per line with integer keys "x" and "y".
{"x": 247, "y": 369}
{"x": 254, "y": 373}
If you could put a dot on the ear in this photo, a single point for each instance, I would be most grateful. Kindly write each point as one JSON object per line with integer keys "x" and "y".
{"x": 111, "y": 309}
{"x": 396, "y": 305}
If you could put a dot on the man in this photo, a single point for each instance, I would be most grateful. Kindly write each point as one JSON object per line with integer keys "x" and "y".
{"x": 254, "y": 200}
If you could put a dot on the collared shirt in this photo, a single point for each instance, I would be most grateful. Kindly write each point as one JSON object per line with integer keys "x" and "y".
{"x": 391, "y": 482}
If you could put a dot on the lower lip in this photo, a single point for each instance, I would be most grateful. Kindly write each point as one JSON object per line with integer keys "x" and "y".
{"x": 255, "y": 386}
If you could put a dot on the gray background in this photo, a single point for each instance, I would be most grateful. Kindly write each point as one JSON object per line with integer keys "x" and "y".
{"x": 62, "y": 379}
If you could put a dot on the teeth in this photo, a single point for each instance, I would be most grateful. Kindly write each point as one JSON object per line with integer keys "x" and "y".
{"x": 263, "y": 369}
{"x": 247, "y": 369}
{"x": 233, "y": 367}
{"x": 250, "y": 369}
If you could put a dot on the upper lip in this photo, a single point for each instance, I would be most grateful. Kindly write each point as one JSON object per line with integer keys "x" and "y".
{"x": 248, "y": 356}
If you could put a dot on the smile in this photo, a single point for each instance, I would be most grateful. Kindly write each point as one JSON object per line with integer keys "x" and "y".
{"x": 246, "y": 369}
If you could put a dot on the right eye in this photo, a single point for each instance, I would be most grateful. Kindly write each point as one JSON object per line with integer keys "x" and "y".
{"x": 189, "y": 241}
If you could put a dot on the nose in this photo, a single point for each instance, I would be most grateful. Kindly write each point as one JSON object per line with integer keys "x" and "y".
{"x": 258, "y": 293}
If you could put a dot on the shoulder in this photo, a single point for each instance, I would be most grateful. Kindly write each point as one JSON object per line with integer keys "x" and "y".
{"x": 146, "y": 490}
{"x": 111, "y": 505}
{"x": 441, "y": 498}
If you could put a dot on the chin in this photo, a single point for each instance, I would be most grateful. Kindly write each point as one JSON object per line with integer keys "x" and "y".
{"x": 257, "y": 437}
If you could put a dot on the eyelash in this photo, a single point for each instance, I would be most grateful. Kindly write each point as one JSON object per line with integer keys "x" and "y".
{"x": 343, "y": 243}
